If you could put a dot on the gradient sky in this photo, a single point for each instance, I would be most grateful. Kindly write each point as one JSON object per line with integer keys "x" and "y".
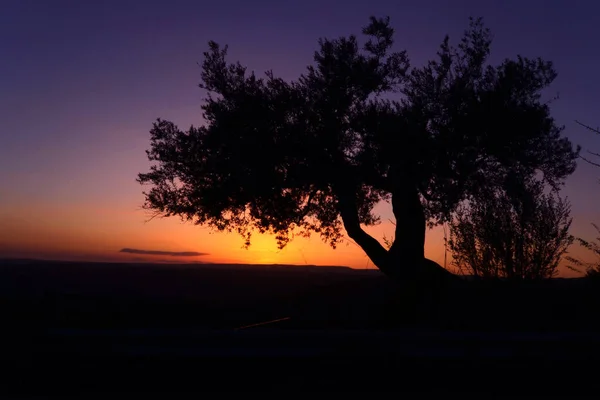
{"x": 82, "y": 81}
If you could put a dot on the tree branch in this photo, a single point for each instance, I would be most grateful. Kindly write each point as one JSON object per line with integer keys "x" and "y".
{"x": 349, "y": 213}
{"x": 410, "y": 222}
{"x": 589, "y": 161}
{"x": 594, "y": 154}
{"x": 589, "y": 127}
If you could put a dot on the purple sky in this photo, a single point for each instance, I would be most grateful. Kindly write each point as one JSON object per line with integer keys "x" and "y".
{"x": 82, "y": 81}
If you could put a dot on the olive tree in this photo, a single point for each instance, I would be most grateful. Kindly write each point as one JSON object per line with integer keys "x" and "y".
{"x": 360, "y": 126}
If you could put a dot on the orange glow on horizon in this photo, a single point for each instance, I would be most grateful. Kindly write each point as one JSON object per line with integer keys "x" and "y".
{"x": 75, "y": 233}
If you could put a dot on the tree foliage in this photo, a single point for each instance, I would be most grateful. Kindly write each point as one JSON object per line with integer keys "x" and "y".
{"x": 521, "y": 232}
{"x": 317, "y": 153}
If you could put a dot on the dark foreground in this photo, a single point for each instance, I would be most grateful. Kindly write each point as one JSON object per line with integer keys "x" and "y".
{"x": 94, "y": 328}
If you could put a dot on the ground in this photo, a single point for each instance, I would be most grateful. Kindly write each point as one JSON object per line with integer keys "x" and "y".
{"x": 106, "y": 325}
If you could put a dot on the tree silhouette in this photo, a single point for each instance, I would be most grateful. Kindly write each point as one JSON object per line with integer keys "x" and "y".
{"x": 592, "y": 268}
{"x": 517, "y": 233}
{"x": 360, "y": 126}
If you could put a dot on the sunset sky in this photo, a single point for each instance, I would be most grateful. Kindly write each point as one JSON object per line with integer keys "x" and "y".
{"x": 82, "y": 81}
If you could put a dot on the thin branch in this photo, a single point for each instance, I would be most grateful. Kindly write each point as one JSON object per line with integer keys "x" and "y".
{"x": 597, "y": 130}
{"x": 553, "y": 99}
{"x": 589, "y": 162}
{"x": 153, "y": 215}
{"x": 595, "y": 154}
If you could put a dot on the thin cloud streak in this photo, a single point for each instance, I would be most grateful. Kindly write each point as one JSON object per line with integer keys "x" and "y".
{"x": 163, "y": 253}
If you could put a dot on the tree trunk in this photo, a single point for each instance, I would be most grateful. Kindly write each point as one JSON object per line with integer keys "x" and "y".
{"x": 405, "y": 261}
{"x": 407, "y": 253}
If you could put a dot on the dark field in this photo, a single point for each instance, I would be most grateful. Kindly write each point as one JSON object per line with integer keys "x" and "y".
{"x": 225, "y": 297}
{"x": 87, "y": 328}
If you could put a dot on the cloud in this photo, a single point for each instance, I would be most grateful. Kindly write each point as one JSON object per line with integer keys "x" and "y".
{"x": 163, "y": 253}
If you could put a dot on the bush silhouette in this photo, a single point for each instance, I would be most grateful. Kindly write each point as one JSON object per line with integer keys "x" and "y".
{"x": 517, "y": 233}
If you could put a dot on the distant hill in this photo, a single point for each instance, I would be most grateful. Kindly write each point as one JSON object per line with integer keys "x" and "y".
{"x": 195, "y": 265}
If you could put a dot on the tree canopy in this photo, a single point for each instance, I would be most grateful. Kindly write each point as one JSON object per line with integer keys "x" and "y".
{"x": 361, "y": 125}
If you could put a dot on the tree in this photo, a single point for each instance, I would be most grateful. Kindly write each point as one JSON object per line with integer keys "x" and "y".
{"x": 316, "y": 154}
{"x": 517, "y": 233}
{"x": 592, "y": 269}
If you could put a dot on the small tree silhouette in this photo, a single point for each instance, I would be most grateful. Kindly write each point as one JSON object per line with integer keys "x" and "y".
{"x": 592, "y": 269}
{"x": 517, "y": 233}
{"x": 316, "y": 154}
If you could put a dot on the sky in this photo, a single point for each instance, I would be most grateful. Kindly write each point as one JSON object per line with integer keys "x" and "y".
{"x": 82, "y": 81}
